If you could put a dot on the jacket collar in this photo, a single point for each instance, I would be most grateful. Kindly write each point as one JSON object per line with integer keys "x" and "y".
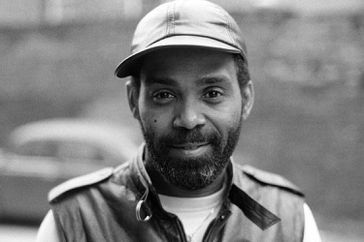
{"x": 237, "y": 193}
{"x": 240, "y": 195}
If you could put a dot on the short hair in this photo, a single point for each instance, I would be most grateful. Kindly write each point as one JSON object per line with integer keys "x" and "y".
{"x": 242, "y": 72}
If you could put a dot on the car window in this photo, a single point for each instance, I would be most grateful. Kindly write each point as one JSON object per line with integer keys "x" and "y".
{"x": 63, "y": 149}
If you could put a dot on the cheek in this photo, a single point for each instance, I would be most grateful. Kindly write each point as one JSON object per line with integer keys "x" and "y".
{"x": 151, "y": 116}
{"x": 230, "y": 113}
{"x": 154, "y": 121}
{"x": 227, "y": 119}
{"x": 237, "y": 116}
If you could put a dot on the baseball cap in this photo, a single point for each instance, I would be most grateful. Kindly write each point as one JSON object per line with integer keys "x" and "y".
{"x": 183, "y": 23}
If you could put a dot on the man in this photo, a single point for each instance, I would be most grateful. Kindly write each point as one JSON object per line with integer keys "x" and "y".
{"x": 190, "y": 90}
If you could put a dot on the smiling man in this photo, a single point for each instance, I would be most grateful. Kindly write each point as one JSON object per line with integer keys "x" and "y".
{"x": 190, "y": 107}
{"x": 190, "y": 90}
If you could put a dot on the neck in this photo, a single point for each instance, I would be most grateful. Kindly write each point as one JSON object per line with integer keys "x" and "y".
{"x": 164, "y": 187}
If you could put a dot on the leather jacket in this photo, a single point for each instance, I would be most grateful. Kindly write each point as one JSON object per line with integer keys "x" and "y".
{"x": 120, "y": 204}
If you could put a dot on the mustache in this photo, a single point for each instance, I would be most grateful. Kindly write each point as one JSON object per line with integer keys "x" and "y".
{"x": 190, "y": 136}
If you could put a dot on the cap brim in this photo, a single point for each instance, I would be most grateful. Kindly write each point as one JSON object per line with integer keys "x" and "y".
{"x": 131, "y": 64}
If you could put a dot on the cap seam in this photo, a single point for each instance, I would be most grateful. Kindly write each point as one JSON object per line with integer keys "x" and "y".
{"x": 168, "y": 18}
{"x": 228, "y": 29}
{"x": 173, "y": 18}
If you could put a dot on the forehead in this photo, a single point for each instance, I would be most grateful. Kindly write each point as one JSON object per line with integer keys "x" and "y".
{"x": 183, "y": 64}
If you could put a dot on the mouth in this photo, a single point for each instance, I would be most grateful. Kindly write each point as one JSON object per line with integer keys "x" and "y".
{"x": 189, "y": 149}
{"x": 189, "y": 146}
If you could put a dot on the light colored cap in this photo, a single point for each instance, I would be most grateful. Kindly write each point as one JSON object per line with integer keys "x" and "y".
{"x": 183, "y": 23}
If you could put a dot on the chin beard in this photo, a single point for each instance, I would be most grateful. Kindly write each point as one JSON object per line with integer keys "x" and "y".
{"x": 191, "y": 173}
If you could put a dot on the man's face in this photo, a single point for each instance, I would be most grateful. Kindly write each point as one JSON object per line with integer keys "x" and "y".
{"x": 190, "y": 110}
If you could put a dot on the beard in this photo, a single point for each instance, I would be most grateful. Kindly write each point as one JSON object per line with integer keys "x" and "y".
{"x": 191, "y": 173}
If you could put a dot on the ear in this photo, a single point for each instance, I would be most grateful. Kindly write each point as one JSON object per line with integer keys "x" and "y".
{"x": 133, "y": 99}
{"x": 248, "y": 97}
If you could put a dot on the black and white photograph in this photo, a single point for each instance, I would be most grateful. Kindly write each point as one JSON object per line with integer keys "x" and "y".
{"x": 181, "y": 120}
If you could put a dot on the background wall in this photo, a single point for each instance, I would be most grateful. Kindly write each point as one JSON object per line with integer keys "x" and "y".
{"x": 308, "y": 119}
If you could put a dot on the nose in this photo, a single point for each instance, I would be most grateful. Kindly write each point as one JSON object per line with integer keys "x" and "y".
{"x": 189, "y": 116}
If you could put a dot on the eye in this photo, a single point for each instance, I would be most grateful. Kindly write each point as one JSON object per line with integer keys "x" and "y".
{"x": 163, "y": 97}
{"x": 213, "y": 95}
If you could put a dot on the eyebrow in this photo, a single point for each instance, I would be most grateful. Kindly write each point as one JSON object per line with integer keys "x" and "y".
{"x": 220, "y": 80}
{"x": 206, "y": 80}
{"x": 162, "y": 80}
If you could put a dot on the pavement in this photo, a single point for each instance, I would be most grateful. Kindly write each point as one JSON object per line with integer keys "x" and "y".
{"x": 16, "y": 233}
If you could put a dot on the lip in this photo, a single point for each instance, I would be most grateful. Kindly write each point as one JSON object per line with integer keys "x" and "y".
{"x": 189, "y": 146}
{"x": 189, "y": 149}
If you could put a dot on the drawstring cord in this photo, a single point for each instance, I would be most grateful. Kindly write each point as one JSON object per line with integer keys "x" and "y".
{"x": 139, "y": 207}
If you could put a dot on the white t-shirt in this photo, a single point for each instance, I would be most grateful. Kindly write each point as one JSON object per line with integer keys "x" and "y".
{"x": 195, "y": 213}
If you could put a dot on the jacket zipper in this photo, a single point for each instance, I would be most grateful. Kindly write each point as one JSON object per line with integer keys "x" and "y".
{"x": 215, "y": 226}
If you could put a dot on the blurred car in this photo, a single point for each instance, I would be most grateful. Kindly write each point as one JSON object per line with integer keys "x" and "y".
{"x": 43, "y": 154}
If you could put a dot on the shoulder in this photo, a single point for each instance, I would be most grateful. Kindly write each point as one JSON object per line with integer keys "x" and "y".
{"x": 79, "y": 182}
{"x": 47, "y": 231}
{"x": 265, "y": 178}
